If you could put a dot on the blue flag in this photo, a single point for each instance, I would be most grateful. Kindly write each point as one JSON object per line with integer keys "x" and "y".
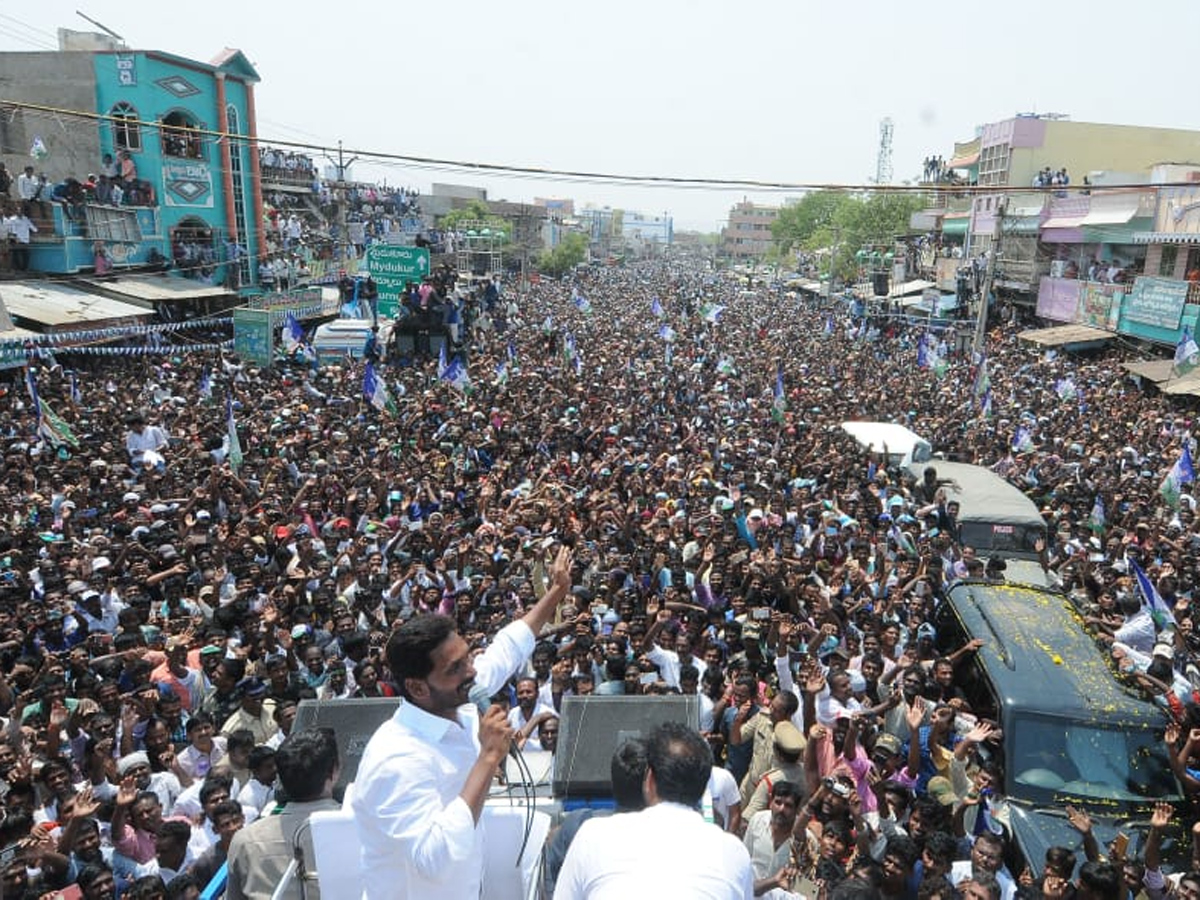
{"x": 376, "y": 391}
{"x": 293, "y": 334}
{"x": 778, "y": 399}
{"x": 1097, "y": 519}
{"x": 1151, "y": 599}
{"x": 452, "y": 371}
{"x": 235, "y": 445}
{"x": 1180, "y": 474}
{"x": 922, "y": 354}
{"x": 656, "y": 309}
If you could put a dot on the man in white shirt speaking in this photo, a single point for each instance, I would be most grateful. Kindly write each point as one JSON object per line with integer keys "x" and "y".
{"x": 667, "y": 849}
{"x": 426, "y": 772}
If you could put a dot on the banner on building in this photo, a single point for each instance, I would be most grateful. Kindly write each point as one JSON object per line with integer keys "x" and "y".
{"x": 187, "y": 183}
{"x": 1157, "y": 301}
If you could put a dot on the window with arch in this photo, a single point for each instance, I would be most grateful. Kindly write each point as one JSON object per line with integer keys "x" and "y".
{"x": 181, "y": 136}
{"x": 232, "y": 122}
{"x": 127, "y": 134}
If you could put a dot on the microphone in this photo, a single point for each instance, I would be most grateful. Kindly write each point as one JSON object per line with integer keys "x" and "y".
{"x": 478, "y": 697}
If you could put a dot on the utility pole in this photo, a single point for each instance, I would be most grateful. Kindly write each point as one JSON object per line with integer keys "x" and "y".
{"x": 837, "y": 234}
{"x": 342, "y": 166}
{"x": 989, "y": 277}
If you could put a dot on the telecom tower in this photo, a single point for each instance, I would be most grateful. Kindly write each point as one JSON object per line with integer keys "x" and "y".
{"x": 883, "y": 161}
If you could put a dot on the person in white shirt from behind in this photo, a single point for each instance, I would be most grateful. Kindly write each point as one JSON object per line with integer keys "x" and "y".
{"x": 426, "y": 772}
{"x": 667, "y": 849}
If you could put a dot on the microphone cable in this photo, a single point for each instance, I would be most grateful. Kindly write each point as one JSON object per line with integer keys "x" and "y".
{"x": 528, "y": 792}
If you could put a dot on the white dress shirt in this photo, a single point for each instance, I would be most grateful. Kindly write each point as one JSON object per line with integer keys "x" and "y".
{"x": 961, "y": 871}
{"x": 619, "y": 857}
{"x": 668, "y": 664}
{"x": 418, "y": 836}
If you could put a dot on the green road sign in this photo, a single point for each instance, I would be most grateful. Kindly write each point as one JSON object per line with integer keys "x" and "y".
{"x": 392, "y": 267}
{"x": 253, "y": 337}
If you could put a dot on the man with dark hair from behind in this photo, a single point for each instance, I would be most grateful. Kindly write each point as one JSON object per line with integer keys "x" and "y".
{"x": 1098, "y": 881}
{"x": 854, "y": 889}
{"x": 307, "y": 764}
{"x": 623, "y": 855}
{"x": 628, "y": 771}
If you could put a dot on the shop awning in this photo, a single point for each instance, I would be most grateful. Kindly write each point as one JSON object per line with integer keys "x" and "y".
{"x": 909, "y": 287}
{"x": 956, "y": 224}
{"x": 1165, "y": 237}
{"x": 1063, "y": 222}
{"x": 1060, "y": 335}
{"x": 1156, "y": 370}
{"x": 1112, "y": 209}
{"x": 1022, "y": 224}
{"x": 1189, "y": 384}
{"x": 149, "y": 290}
{"x": 57, "y": 307}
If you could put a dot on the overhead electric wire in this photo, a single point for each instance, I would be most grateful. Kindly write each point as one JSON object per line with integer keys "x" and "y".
{"x": 582, "y": 176}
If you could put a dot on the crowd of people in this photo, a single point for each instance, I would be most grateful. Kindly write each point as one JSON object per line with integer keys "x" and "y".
{"x": 283, "y": 165}
{"x": 653, "y": 451}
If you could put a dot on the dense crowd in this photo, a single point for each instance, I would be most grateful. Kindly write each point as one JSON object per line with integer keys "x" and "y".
{"x": 167, "y": 597}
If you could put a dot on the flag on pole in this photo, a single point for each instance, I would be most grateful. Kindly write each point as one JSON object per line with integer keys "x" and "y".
{"x": 712, "y": 312}
{"x": 984, "y": 820}
{"x": 235, "y": 445}
{"x": 511, "y": 352}
{"x": 666, "y": 332}
{"x": 1187, "y": 354}
{"x": 75, "y": 395}
{"x": 725, "y": 366}
{"x": 581, "y": 302}
{"x": 502, "y": 372}
{"x": 453, "y": 372}
{"x": 375, "y": 390}
{"x": 983, "y": 383}
{"x": 829, "y": 324}
{"x": 31, "y": 387}
{"x": 1152, "y": 599}
{"x": 656, "y": 309}
{"x": 54, "y": 429}
{"x": 206, "y": 386}
{"x": 1096, "y": 520}
{"x": 293, "y": 334}
{"x": 1065, "y": 388}
{"x": 778, "y": 400}
{"x": 1180, "y": 474}
{"x": 985, "y": 404}
{"x": 1023, "y": 439}
{"x": 922, "y": 353}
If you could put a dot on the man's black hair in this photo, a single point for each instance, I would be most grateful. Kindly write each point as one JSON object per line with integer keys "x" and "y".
{"x": 628, "y": 770}
{"x": 410, "y": 648}
{"x": 1101, "y": 879}
{"x": 306, "y": 761}
{"x": 681, "y": 761}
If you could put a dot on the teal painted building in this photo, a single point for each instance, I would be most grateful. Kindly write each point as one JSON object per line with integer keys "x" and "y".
{"x": 188, "y": 128}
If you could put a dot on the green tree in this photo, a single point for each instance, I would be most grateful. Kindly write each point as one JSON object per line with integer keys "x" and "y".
{"x": 799, "y": 222}
{"x": 570, "y": 252}
{"x": 842, "y": 224}
{"x": 476, "y": 212}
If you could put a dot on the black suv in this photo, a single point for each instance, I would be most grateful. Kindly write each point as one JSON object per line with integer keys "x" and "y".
{"x": 1072, "y": 733}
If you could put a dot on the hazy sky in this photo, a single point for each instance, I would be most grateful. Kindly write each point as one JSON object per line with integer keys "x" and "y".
{"x": 778, "y": 91}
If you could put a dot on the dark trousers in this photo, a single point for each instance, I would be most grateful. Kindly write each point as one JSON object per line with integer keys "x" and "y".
{"x": 20, "y": 257}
